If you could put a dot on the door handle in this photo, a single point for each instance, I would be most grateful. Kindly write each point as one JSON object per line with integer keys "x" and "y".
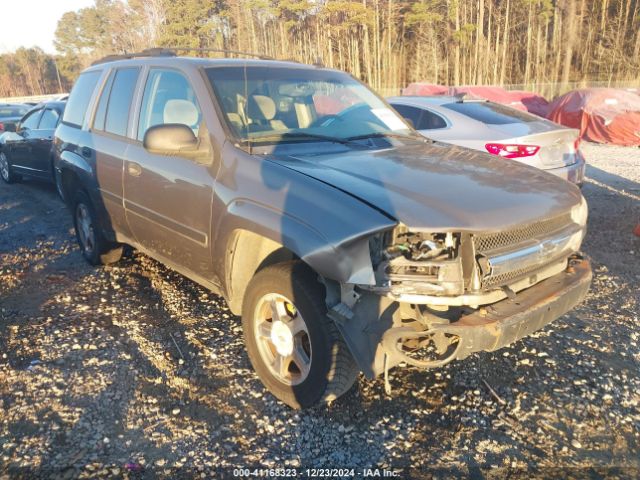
{"x": 134, "y": 169}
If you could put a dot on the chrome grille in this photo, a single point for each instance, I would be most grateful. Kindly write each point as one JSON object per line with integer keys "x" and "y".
{"x": 537, "y": 230}
{"x": 508, "y": 277}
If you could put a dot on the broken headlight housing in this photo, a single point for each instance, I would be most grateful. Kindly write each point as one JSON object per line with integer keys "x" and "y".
{"x": 418, "y": 262}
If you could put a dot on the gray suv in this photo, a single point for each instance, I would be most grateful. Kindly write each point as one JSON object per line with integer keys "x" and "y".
{"x": 346, "y": 241}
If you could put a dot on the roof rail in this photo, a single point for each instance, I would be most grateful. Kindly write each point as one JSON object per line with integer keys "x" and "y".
{"x": 221, "y": 50}
{"x": 149, "y": 52}
{"x": 173, "y": 52}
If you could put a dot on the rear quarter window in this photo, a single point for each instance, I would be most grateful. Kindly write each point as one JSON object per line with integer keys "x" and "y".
{"x": 80, "y": 97}
{"x": 491, "y": 113}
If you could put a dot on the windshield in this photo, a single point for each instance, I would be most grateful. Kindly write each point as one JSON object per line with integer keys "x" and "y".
{"x": 12, "y": 111}
{"x": 277, "y": 105}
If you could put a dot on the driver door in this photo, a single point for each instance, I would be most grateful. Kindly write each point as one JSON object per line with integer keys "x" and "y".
{"x": 168, "y": 199}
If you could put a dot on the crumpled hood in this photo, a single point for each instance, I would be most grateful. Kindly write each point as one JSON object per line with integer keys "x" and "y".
{"x": 440, "y": 187}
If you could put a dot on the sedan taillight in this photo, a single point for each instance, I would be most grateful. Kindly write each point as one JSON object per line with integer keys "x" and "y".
{"x": 512, "y": 151}
{"x": 1, "y": 127}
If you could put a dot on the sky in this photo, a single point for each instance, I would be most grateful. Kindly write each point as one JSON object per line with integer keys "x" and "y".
{"x": 29, "y": 23}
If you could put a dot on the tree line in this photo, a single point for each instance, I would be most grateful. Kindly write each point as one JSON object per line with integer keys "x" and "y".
{"x": 386, "y": 43}
{"x": 30, "y": 71}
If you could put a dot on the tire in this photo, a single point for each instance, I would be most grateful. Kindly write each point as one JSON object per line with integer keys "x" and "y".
{"x": 6, "y": 171}
{"x": 331, "y": 370}
{"x": 95, "y": 248}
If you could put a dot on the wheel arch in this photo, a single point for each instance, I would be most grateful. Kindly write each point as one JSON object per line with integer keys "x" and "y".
{"x": 251, "y": 233}
{"x": 74, "y": 173}
{"x": 248, "y": 253}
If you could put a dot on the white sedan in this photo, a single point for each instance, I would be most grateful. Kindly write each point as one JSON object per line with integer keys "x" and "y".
{"x": 497, "y": 129}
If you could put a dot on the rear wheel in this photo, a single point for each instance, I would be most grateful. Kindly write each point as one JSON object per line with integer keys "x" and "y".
{"x": 6, "y": 170}
{"x": 295, "y": 349}
{"x": 95, "y": 248}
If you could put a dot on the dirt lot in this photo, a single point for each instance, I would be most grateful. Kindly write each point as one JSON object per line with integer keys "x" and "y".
{"x": 134, "y": 370}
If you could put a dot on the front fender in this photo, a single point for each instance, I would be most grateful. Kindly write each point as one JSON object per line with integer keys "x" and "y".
{"x": 325, "y": 227}
{"x": 346, "y": 260}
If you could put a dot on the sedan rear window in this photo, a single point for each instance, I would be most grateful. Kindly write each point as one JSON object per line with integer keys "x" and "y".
{"x": 12, "y": 111}
{"x": 491, "y": 113}
{"x": 421, "y": 119}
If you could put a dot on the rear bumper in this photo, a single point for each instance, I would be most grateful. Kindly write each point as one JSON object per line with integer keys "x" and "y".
{"x": 509, "y": 320}
{"x": 572, "y": 173}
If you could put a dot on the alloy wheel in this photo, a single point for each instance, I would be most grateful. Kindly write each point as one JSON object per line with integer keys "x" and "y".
{"x": 283, "y": 339}
{"x": 84, "y": 225}
{"x": 4, "y": 167}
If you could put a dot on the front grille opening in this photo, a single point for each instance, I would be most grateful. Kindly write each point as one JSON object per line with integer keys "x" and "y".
{"x": 509, "y": 277}
{"x": 538, "y": 230}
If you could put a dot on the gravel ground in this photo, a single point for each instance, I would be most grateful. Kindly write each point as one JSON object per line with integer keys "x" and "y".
{"x": 133, "y": 370}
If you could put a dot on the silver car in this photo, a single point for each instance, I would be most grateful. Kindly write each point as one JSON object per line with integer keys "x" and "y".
{"x": 497, "y": 129}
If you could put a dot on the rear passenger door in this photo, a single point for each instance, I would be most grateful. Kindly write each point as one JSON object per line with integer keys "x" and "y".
{"x": 111, "y": 140}
{"x": 43, "y": 137}
{"x": 22, "y": 144}
{"x": 168, "y": 199}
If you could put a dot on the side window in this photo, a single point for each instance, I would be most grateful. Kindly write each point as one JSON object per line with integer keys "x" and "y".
{"x": 430, "y": 121}
{"x": 31, "y": 120}
{"x": 80, "y": 97}
{"x": 120, "y": 100}
{"x": 168, "y": 98}
{"x": 49, "y": 120}
{"x": 411, "y": 114}
{"x": 101, "y": 111}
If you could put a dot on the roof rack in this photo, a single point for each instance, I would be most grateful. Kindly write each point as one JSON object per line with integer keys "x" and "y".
{"x": 173, "y": 52}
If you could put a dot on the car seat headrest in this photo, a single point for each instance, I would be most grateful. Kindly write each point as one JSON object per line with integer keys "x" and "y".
{"x": 261, "y": 107}
{"x": 181, "y": 111}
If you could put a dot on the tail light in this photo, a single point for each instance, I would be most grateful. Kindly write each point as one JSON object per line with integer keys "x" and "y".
{"x": 1, "y": 127}
{"x": 512, "y": 151}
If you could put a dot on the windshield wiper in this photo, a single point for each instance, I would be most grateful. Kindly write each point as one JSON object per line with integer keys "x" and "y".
{"x": 301, "y": 135}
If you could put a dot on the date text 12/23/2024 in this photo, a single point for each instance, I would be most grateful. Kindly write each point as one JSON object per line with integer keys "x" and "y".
{"x": 315, "y": 473}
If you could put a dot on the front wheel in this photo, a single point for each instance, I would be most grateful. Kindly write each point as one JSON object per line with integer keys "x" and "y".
{"x": 294, "y": 347}
{"x": 6, "y": 171}
{"x": 95, "y": 248}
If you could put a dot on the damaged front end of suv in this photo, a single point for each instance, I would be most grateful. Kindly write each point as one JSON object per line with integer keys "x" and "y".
{"x": 440, "y": 296}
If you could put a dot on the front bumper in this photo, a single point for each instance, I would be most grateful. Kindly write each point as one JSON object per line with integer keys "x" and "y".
{"x": 510, "y": 320}
{"x": 497, "y": 325}
{"x": 572, "y": 173}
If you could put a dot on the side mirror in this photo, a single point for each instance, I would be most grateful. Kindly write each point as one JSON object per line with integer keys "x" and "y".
{"x": 171, "y": 139}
